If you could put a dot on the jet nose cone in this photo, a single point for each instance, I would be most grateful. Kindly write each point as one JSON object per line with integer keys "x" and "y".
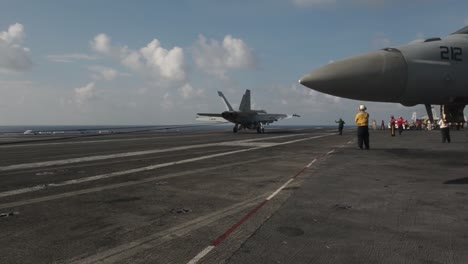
{"x": 374, "y": 76}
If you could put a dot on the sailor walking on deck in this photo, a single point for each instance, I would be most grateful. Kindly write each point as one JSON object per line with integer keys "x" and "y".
{"x": 362, "y": 122}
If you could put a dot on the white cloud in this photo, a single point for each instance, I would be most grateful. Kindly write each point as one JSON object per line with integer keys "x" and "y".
{"x": 167, "y": 103}
{"x": 152, "y": 60}
{"x": 420, "y": 35}
{"x": 167, "y": 63}
{"x": 13, "y": 56}
{"x": 380, "y": 40}
{"x": 103, "y": 73}
{"x": 85, "y": 93}
{"x": 418, "y": 39}
{"x": 332, "y": 98}
{"x": 217, "y": 58}
{"x": 306, "y": 99}
{"x": 101, "y": 44}
{"x": 466, "y": 21}
{"x": 7, "y": 88}
{"x": 15, "y": 34}
{"x": 187, "y": 91}
{"x": 70, "y": 57}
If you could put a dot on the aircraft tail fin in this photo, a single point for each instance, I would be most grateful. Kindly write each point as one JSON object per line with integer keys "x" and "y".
{"x": 245, "y": 103}
{"x": 228, "y": 106}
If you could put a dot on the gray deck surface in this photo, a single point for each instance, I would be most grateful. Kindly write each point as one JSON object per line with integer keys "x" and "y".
{"x": 164, "y": 197}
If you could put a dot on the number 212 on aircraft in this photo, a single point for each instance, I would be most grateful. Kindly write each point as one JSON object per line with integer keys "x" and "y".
{"x": 452, "y": 53}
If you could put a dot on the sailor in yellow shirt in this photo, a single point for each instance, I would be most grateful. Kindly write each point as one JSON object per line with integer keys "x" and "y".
{"x": 362, "y": 121}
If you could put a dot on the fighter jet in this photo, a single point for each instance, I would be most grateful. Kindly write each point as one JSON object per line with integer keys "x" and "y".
{"x": 430, "y": 71}
{"x": 245, "y": 118}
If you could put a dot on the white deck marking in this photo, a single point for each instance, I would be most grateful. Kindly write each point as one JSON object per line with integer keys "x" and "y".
{"x": 288, "y": 182}
{"x": 330, "y": 152}
{"x": 279, "y": 189}
{"x": 311, "y": 163}
{"x": 119, "y": 185}
{"x": 118, "y": 173}
{"x": 33, "y": 144}
{"x": 201, "y": 255}
{"x": 126, "y": 154}
{"x": 248, "y": 144}
{"x": 141, "y": 169}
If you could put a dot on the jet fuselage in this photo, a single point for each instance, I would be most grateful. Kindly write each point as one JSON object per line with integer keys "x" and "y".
{"x": 433, "y": 71}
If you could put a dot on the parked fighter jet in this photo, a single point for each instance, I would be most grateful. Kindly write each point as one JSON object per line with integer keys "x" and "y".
{"x": 431, "y": 71}
{"x": 245, "y": 118}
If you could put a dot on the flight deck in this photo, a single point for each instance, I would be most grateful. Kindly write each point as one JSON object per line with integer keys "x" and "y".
{"x": 291, "y": 195}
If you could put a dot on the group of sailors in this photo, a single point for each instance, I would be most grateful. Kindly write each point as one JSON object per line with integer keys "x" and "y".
{"x": 400, "y": 124}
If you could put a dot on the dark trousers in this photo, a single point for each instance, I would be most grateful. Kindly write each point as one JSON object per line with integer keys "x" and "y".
{"x": 340, "y": 130}
{"x": 445, "y": 134}
{"x": 363, "y": 136}
{"x": 400, "y": 129}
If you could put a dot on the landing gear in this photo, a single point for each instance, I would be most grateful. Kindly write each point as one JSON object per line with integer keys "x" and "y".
{"x": 429, "y": 113}
{"x": 261, "y": 129}
{"x": 235, "y": 128}
{"x": 453, "y": 112}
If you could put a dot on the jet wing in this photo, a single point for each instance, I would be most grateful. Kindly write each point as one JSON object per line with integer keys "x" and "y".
{"x": 270, "y": 118}
{"x": 210, "y": 117}
{"x": 210, "y": 114}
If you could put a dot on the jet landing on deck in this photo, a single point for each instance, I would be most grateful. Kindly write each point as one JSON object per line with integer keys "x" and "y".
{"x": 245, "y": 118}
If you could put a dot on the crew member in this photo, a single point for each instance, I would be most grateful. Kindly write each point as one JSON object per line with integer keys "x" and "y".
{"x": 400, "y": 122}
{"x": 340, "y": 125}
{"x": 445, "y": 130}
{"x": 392, "y": 125}
{"x": 362, "y": 122}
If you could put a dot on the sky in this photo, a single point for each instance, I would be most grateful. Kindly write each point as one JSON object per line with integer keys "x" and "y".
{"x": 160, "y": 62}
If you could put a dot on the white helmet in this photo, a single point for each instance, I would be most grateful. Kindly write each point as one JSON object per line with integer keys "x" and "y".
{"x": 362, "y": 107}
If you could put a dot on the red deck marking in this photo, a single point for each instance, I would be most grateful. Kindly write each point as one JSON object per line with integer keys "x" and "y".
{"x": 234, "y": 227}
{"x": 226, "y": 234}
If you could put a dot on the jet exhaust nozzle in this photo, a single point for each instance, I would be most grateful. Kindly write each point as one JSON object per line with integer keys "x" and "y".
{"x": 228, "y": 115}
